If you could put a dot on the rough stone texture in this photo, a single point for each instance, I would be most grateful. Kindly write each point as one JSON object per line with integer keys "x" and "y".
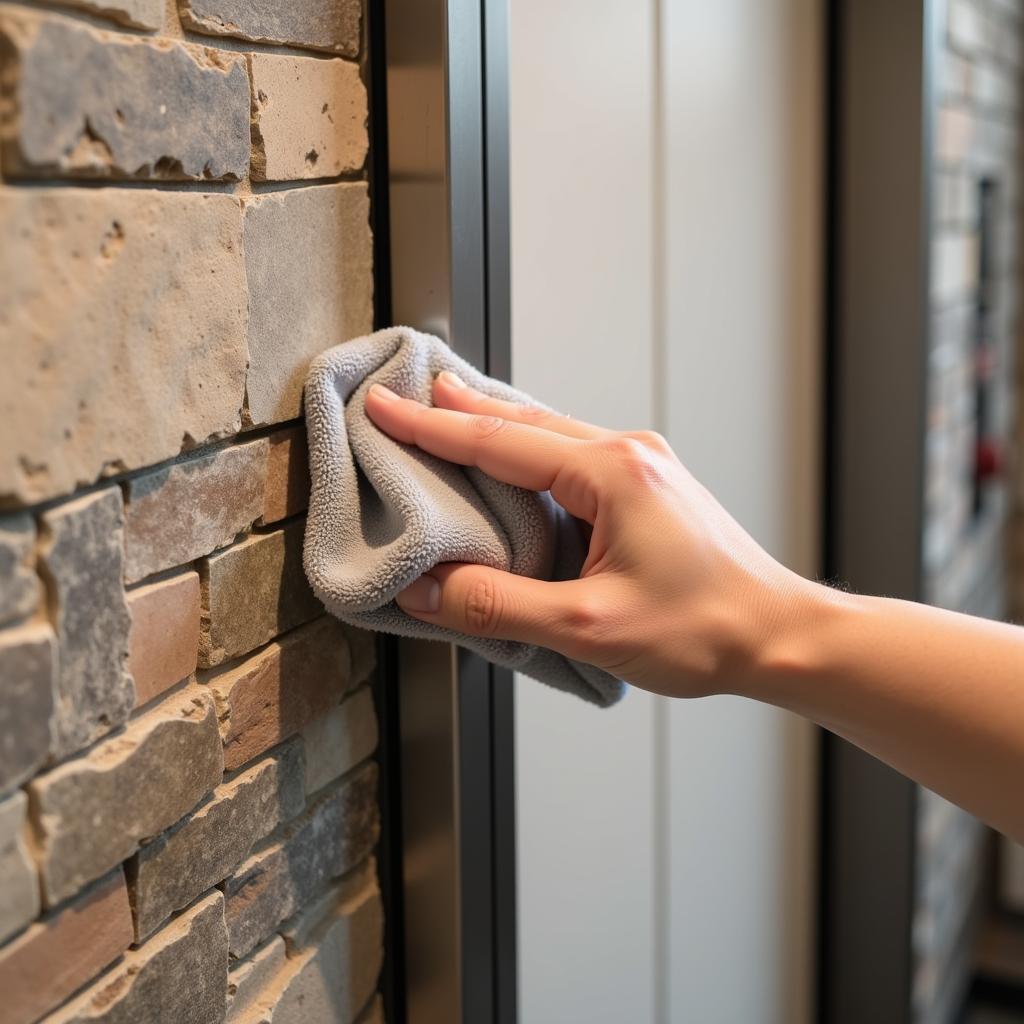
{"x": 252, "y": 592}
{"x": 325, "y": 231}
{"x": 180, "y": 975}
{"x": 19, "y": 885}
{"x": 308, "y": 117}
{"x": 335, "y": 834}
{"x": 144, "y": 346}
{"x": 203, "y": 849}
{"x": 363, "y": 643}
{"x": 83, "y": 558}
{"x": 58, "y": 954}
{"x": 275, "y": 693}
{"x": 91, "y": 813}
{"x": 134, "y": 13}
{"x": 331, "y": 25}
{"x": 28, "y": 666}
{"x": 19, "y": 585}
{"x": 336, "y": 948}
{"x": 164, "y": 639}
{"x": 286, "y": 490}
{"x": 248, "y": 979}
{"x": 121, "y": 106}
{"x": 339, "y": 740}
{"x": 189, "y": 509}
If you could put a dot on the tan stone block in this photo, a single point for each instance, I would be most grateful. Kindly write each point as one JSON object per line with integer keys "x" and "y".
{"x": 249, "y": 978}
{"x": 253, "y": 592}
{"x": 325, "y": 231}
{"x": 331, "y": 25}
{"x": 364, "y": 652}
{"x": 145, "y": 346}
{"x": 205, "y": 847}
{"x": 52, "y": 958}
{"x": 337, "y": 832}
{"x": 133, "y": 13}
{"x": 20, "y": 590}
{"x": 83, "y": 555}
{"x": 286, "y": 489}
{"x": 164, "y": 638}
{"x": 179, "y": 975}
{"x": 308, "y": 117}
{"x": 92, "y": 813}
{"x": 272, "y": 695}
{"x": 337, "y": 949}
{"x": 338, "y": 740}
{"x": 189, "y": 509}
{"x": 28, "y": 667}
{"x": 122, "y": 107}
{"x": 19, "y": 885}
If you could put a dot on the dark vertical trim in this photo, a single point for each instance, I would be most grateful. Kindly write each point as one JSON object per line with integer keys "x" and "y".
{"x": 878, "y": 325}
{"x": 385, "y": 684}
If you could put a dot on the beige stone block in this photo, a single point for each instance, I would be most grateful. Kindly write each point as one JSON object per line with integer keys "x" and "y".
{"x": 191, "y": 508}
{"x": 144, "y": 350}
{"x": 331, "y": 25}
{"x": 302, "y": 243}
{"x": 121, "y": 106}
{"x": 205, "y": 847}
{"x": 28, "y": 667}
{"x": 286, "y": 489}
{"x": 55, "y": 956}
{"x": 248, "y": 979}
{"x": 179, "y": 975}
{"x": 20, "y": 590}
{"x": 338, "y": 740}
{"x": 19, "y": 885}
{"x": 272, "y": 695}
{"x": 133, "y": 13}
{"x": 164, "y": 638}
{"x": 83, "y": 555}
{"x": 308, "y": 117}
{"x": 253, "y": 592}
{"x": 336, "y": 833}
{"x": 91, "y": 813}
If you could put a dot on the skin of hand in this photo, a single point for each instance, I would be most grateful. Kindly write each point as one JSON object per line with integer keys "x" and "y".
{"x": 677, "y": 598}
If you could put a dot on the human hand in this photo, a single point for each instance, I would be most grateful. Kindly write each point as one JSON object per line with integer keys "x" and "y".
{"x": 674, "y": 595}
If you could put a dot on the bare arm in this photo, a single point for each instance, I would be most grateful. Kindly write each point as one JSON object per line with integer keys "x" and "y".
{"x": 675, "y": 597}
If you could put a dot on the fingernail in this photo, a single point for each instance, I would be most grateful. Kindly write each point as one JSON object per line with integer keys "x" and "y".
{"x": 383, "y": 392}
{"x": 422, "y": 595}
{"x": 452, "y": 378}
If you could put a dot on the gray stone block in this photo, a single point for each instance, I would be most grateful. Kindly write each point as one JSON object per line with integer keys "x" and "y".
{"x": 96, "y": 104}
{"x": 19, "y": 586}
{"x": 205, "y": 847}
{"x": 180, "y": 975}
{"x": 175, "y": 514}
{"x": 302, "y": 242}
{"x": 92, "y": 813}
{"x": 133, "y": 13}
{"x": 19, "y": 886}
{"x": 248, "y": 979}
{"x": 83, "y": 555}
{"x": 335, "y": 834}
{"x": 331, "y": 25}
{"x": 28, "y": 666}
{"x": 144, "y": 351}
{"x": 337, "y": 741}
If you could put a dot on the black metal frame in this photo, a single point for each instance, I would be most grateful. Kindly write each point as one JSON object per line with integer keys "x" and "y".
{"x": 879, "y": 170}
{"x": 446, "y": 718}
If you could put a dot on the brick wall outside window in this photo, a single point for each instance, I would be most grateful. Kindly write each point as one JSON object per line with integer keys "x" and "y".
{"x": 188, "y": 797}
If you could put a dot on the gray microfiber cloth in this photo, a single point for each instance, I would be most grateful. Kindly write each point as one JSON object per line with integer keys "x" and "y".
{"x": 382, "y": 513}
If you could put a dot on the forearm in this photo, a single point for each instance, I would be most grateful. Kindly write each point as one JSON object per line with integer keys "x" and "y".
{"x": 937, "y": 695}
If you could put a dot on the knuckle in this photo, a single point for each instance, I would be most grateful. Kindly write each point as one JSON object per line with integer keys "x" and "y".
{"x": 650, "y": 439}
{"x": 484, "y": 426}
{"x": 534, "y": 413}
{"x": 483, "y": 606}
{"x": 636, "y": 461}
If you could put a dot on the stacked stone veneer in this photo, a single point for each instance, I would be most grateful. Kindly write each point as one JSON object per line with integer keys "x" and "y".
{"x": 977, "y": 136}
{"x": 188, "y": 800}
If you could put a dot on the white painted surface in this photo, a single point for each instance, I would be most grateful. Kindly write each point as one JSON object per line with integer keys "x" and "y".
{"x": 665, "y": 273}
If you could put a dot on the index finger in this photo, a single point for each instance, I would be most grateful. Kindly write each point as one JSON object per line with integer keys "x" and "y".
{"x": 515, "y": 453}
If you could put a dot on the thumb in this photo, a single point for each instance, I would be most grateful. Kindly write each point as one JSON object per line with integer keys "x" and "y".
{"x": 484, "y": 602}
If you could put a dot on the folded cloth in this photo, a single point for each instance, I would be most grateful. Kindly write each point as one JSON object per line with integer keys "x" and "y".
{"x": 382, "y": 513}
